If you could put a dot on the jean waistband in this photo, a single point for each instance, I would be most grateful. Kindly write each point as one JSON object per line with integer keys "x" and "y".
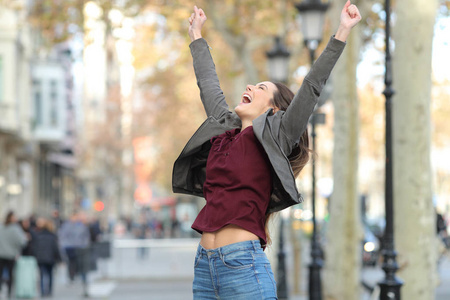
{"x": 253, "y": 245}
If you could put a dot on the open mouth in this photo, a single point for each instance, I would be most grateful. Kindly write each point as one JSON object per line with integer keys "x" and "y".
{"x": 246, "y": 98}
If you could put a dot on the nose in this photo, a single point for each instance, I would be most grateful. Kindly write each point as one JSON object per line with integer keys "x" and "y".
{"x": 249, "y": 88}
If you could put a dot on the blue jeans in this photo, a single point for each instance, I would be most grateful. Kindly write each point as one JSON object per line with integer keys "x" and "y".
{"x": 46, "y": 272}
{"x": 239, "y": 271}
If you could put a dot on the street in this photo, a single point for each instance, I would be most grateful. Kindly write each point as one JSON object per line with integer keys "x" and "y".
{"x": 166, "y": 273}
{"x": 129, "y": 290}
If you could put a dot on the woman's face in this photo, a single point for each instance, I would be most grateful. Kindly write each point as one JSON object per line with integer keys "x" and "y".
{"x": 256, "y": 100}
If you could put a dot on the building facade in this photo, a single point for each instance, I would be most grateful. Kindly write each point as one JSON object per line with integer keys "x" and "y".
{"x": 16, "y": 149}
{"x": 37, "y": 118}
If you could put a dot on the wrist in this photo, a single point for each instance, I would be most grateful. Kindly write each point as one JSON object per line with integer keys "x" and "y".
{"x": 342, "y": 33}
{"x": 195, "y": 36}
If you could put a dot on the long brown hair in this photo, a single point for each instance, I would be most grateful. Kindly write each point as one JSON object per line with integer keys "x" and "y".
{"x": 299, "y": 156}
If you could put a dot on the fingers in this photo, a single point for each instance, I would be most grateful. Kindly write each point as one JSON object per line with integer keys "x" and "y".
{"x": 353, "y": 11}
{"x": 347, "y": 4}
{"x": 199, "y": 13}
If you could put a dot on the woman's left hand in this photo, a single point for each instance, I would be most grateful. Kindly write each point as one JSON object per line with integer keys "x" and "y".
{"x": 350, "y": 15}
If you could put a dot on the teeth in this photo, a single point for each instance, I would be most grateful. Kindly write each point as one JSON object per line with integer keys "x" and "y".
{"x": 248, "y": 98}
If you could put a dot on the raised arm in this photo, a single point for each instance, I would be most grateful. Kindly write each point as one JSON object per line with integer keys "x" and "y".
{"x": 210, "y": 92}
{"x": 297, "y": 115}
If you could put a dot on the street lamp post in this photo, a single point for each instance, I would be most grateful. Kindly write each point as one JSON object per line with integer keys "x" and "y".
{"x": 390, "y": 285}
{"x": 312, "y": 13}
{"x": 278, "y": 69}
{"x": 278, "y": 62}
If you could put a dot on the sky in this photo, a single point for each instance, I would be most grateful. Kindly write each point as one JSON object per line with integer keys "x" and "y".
{"x": 372, "y": 63}
{"x": 441, "y": 49}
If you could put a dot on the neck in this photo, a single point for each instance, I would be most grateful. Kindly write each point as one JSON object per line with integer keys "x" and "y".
{"x": 246, "y": 124}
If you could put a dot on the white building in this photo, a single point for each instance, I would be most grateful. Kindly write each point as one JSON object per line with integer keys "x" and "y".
{"x": 16, "y": 151}
{"x": 36, "y": 118}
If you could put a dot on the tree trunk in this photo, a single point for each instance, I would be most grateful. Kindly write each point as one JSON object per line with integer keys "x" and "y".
{"x": 415, "y": 234}
{"x": 343, "y": 248}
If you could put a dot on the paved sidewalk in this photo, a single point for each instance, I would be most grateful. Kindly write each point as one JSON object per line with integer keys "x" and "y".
{"x": 128, "y": 290}
{"x": 180, "y": 288}
{"x": 170, "y": 279}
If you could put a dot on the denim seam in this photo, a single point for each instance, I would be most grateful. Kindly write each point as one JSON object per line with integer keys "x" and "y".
{"x": 271, "y": 278}
{"x": 260, "y": 288}
{"x": 216, "y": 284}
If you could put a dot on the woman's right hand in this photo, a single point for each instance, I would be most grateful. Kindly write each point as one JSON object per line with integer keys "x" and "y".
{"x": 196, "y": 21}
{"x": 350, "y": 16}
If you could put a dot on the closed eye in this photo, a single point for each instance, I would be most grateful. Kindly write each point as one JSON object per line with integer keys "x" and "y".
{"x": 262, "y": 86}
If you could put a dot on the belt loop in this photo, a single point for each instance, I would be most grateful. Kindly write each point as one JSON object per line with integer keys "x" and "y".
{"x": 254, "y": 245}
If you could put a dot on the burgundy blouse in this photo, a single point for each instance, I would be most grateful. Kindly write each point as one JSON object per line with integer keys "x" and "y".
{"x": 238, "y": 184}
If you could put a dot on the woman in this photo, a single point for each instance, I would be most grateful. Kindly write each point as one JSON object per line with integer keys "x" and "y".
{"x": 12, "y": 240}
{"x": 245, "y": 164}
{"x": 46, "y": 249}
{"x": 26, "y": 227}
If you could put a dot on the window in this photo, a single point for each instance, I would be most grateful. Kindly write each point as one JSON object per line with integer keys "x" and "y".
{"x": 37, "y": 97}
{"x": 53, "y": 103}
{"x": 2, "y": 92}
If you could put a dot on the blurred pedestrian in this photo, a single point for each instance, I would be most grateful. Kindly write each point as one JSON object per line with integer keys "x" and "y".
{"x": 174, "y": 227}
{"x": 26, "y": 265}
{"x": 74, "y": 238}
{"x": 46, "y": 249}
{"x": 245, "y": 164}
{"x": 12, "y": 240}
{"x": 32, "y": 219}
{"x": 56, "y": 218}
{"x": 142, "y": 232}
{"x": 441, "y": 225}
{"x": 26, "y": 227}
{"x": 95, "y": 230}
{"x": 442, "y": 235}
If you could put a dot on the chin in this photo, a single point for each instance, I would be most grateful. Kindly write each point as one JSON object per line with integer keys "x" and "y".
{"x": 238, "y": 111}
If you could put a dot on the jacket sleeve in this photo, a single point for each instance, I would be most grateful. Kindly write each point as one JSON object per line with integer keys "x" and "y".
{"x": 210, "y": 92}
{"x": 296, "y": 117}
{"x": 21, "y": 238}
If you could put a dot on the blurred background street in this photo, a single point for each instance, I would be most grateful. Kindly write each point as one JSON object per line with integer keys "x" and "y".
{"x": 167, "y": 274}
{"x": 99, "y": 97}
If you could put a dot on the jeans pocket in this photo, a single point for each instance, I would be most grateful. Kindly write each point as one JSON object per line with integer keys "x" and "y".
{"x": 240, "y": 259}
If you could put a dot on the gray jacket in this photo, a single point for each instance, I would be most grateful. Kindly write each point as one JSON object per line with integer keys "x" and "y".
{"x": 278, "y": 133}
{"x": 74, "y": 234}
{"x": 12, "y": 240}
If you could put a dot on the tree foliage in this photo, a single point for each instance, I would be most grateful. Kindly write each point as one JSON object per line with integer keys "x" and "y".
{"x": 59, "y": 20}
